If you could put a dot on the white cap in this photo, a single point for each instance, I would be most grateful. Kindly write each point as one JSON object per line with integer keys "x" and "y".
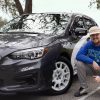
{"x": 94, "y": 30}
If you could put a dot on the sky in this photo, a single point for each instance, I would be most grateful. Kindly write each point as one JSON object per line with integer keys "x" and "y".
{"x": 78, "y": 6}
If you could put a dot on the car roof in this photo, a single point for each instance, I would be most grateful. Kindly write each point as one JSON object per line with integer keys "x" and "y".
{"x": 73, "y": 14}
{"x": 82, "y": 15}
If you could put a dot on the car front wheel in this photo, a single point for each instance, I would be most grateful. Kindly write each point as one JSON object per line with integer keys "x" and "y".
{"x": 62, "y": 76}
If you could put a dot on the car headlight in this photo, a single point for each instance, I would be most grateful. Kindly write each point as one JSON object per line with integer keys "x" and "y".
{"x": 34, "y": 53}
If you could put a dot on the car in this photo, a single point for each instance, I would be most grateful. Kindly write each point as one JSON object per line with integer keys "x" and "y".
{"x": 35, "y": 51}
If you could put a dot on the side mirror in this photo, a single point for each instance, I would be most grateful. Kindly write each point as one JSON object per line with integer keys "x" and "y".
{"x": 80, "y": 31}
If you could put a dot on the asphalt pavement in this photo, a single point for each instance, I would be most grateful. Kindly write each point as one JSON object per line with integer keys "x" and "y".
{"x": 94, "y": 93}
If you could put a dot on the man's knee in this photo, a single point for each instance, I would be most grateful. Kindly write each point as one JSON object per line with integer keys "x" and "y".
{"x": 80, "y": 64}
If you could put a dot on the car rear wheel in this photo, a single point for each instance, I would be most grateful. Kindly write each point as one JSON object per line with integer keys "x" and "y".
{"x": 62, "y": 76}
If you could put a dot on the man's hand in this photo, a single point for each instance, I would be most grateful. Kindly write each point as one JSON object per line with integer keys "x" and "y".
{"x": 96, "y": 66}
{"x": 97, "y": 78}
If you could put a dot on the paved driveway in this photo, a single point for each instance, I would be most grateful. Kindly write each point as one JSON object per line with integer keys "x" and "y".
{"x": 94, "y": 93}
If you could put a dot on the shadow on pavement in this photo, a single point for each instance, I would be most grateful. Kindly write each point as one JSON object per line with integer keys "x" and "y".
{"x": 30, "y": 95}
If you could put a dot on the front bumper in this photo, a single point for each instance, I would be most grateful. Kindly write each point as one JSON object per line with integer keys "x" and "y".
{"x": 28, "y": 75}
{"x": 14, "y": 79}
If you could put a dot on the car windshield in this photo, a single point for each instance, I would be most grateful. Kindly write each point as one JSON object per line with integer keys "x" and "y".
{"x": 38, "y": 23}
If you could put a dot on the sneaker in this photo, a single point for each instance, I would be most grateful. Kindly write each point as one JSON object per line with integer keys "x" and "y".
{"x": 81, "y": 92}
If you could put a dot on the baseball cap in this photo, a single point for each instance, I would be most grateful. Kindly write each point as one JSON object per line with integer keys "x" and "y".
{"x": 94, "y": 30}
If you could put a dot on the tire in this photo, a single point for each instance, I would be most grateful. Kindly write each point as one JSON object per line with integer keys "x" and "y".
{"x": 62, "y": 76}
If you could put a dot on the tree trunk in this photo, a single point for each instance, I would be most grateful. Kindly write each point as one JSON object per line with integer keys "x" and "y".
{"x": 28, "y": 7}
{"x": 19, "y": 7}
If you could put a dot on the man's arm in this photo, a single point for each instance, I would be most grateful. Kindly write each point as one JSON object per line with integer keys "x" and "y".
{"x": 82, "y": 54}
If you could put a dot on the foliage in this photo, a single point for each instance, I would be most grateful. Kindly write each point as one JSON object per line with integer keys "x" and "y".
{"x": 15, "y": 6}
{"x": 8, "y": 6}
{"x": 2, "y": 22}
{"x": 95, "y": 2}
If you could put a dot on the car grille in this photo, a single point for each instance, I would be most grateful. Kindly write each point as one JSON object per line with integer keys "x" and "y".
{"x": 30, "y": 79}
{"x": 1, "y": 82}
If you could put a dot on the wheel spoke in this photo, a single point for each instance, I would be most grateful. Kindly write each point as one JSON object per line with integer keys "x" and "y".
{"x": 54, "y": 80}
{"x": 57, "y": 65}
{"x": 59, "y": 85}
{"x": 55, "y": 85}
{"x": 64, "y": 82}
{"x": 67, "y": 73}
{"x": 61, "y": 65}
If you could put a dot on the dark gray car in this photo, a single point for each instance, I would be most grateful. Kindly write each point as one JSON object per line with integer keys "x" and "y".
{"x": 35, "y": 51}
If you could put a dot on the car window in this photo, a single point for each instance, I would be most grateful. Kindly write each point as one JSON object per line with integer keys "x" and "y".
{"x": 89, "y": 23}
{"x": 39, "y": 23}
{"x": 78, "y": 23}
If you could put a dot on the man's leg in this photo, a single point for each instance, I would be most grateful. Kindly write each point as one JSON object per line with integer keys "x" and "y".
{"x": 82, "y": 71}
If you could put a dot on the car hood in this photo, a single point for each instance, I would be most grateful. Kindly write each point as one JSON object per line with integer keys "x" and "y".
{"x": 23, "y": 41}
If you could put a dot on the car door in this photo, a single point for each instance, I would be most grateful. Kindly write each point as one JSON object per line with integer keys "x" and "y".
{"x": 74, "y": 38}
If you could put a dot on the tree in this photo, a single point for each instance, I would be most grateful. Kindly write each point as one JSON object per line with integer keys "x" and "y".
{"x": 15, "y": 6}
{"x": 95, "y": 2}
{"x": 2, "y": 22}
